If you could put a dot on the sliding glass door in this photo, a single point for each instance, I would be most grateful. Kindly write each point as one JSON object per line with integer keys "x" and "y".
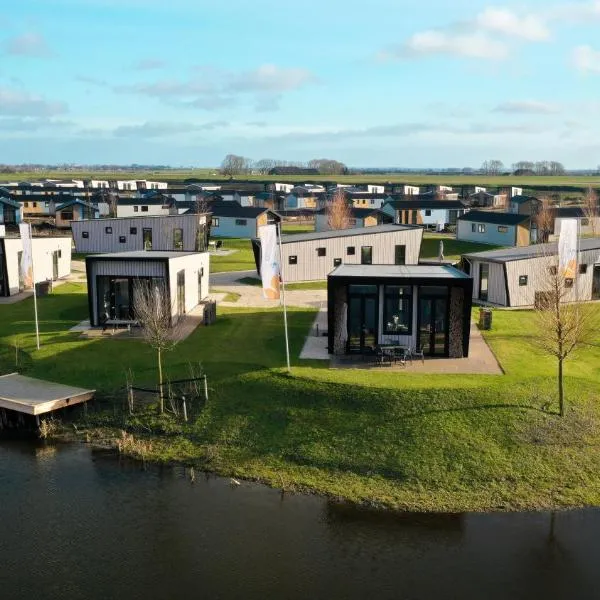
{"x": 363, "y": 310}
{"x": 433, "y": 321}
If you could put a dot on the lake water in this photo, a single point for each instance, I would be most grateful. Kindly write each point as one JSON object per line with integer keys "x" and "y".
{"x": 81, "y": 524}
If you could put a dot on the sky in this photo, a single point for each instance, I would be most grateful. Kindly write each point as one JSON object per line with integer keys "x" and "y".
{"x": 384, "y": 83}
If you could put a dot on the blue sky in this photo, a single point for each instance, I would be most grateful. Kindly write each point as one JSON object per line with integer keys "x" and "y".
{"x": 379, "y": 83}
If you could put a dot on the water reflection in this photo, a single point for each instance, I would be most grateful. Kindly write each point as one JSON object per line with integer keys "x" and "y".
{"x": 82, "y": 524}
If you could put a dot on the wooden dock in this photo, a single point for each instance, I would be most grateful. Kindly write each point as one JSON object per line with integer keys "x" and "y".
{"x": 30, "y": 396}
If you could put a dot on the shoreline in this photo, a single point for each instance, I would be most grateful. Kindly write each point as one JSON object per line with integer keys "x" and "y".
{"x": 111, "y": 443}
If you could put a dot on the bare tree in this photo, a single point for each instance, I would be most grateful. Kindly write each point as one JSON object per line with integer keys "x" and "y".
{"x": 591, "y": 209}
{"x": 492, "y": 167}
{"x": 563, "y": 324}
{"x": 339, "y": 213}
{"x": 544, "y": 220}
{"x": 234, "y": 165}
{"x": 153, "y": 310}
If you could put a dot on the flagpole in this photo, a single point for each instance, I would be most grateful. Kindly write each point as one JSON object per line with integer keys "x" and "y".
{"x": 37, "y": 329}
{"x": 285, "y": 323}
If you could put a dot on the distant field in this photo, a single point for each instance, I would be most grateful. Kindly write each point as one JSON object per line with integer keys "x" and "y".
{"x": 408, "y": 178}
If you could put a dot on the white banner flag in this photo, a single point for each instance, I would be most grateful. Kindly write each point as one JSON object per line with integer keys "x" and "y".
{"x": 27, "y": 256}
{"x": 270, "y": 265}
{"x": 567, "y": 248}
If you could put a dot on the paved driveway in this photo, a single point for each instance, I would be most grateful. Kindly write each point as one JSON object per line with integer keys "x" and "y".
{"x": 251, "y": 295}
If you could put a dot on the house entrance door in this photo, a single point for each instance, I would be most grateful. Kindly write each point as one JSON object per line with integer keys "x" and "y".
{"x": 363, "y": 310}
{"x": 433, "y": 325}
{"x": 596, "y": 283}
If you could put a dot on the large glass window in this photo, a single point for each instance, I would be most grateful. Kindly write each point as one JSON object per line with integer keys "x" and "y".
{"x": 397, "y": 315}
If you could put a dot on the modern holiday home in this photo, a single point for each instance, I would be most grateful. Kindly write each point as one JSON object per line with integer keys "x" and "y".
{"x": 359, "y": 217}
{"x": 312, "y": 256}
{"x": 230, "y": 219}
{"x": 74, "y": 210}
{"x": 112, "y": 278}
{"x": 517, "y": 277}
{"x": 496, "y": 228}
{"x": 51, "y": 261}
{"x": 185, "y": 233}
{"x": 426, "y": 308}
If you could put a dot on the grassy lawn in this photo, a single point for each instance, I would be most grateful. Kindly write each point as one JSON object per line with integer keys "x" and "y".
{"x": 409, "y": 178}
{"x": 452, "y": 247}
{"x": 434, "y": 442}
{"x": 292, "y": 228}
{"x": 240, "y": 260}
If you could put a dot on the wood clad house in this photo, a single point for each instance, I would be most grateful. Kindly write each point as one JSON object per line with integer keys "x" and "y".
{"x": 187, "y": 233}
{"x": 74, "y": 210}
{"x": 312, "y": 256}
{"x": 497, "y": 228}
{"x": 230, "y": 219}
{"x": 10, "y": 209}
{"x": 523, "y": 205}
{"x": 51, "y": 258}
{"x": 422, "y": 307}
{"x": 515, "y": 276}
{"x": 360, "y": 217}
{"x": 111, "y": 281}
{"x": 429, "y": 212}
{"x": 149, "y": 204}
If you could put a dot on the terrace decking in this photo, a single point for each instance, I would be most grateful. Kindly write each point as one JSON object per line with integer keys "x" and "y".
{"x": 35, "y": 397}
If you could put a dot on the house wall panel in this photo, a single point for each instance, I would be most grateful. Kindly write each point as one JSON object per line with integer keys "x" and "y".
{"x": 311, "y": 267}
{"x": 43, "y": 249}
{"x": 162, "y": 233}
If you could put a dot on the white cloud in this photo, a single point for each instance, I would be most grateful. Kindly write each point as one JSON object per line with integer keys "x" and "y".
{"x": 505, "y": 22}
{"x": 156, "y": 129}
{"x": 22, "y": 104}
{"x": 531, "y": 107}
{"x": 270, "y": 78}
{"x": 575, "y": 11}
{"x": 212, "y": 88}
{"x": 28, "y": 44}
{"x": 586, "y": 59}
{"x": 20, "y": 124}
{"x": 470, "y": 45}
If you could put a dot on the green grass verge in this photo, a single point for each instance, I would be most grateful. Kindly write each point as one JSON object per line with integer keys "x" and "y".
{"x": 418, "y": 442}
{"x": 240, "y": 260}
{"x": 453, "y": 249}
{"x": 291, "y": 228}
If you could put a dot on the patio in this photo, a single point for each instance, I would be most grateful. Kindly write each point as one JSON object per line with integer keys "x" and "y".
{"x": 481, "y": 361}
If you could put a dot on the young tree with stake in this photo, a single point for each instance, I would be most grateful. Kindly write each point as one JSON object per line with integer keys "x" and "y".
{"x": 564, "y": 324}
{"x": 153, "y": 311}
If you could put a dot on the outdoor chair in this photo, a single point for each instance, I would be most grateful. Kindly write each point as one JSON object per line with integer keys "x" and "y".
{"x": 383, "y": 358}
{"x": 399, "y": 355}
{"x": 418, "y": 353}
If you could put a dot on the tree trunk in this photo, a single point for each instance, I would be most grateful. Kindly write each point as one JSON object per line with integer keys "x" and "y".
{"x": 561, "y": 393}
{"x": 161, "y": 397}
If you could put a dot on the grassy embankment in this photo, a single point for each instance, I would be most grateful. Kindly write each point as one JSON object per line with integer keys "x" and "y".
{"x": 408, "y": 178}
{"x": 418, "y": 442}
